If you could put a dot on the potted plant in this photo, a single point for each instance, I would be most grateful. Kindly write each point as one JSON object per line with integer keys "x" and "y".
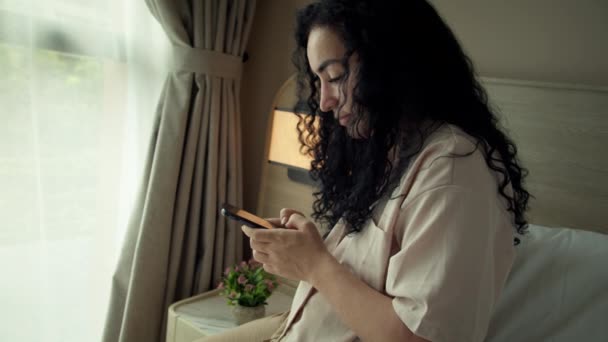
{"x": 246, "y": 287}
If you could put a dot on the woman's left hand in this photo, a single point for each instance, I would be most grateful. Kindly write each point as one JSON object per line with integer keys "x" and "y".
{"x": 291, "y": 253}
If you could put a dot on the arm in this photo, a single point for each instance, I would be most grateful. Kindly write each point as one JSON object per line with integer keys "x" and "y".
{"x": 299, "y": 253}
{"x": 366, "y": 311}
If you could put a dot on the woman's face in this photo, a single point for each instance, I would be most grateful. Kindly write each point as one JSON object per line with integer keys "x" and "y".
{"x": 325, "y": 53}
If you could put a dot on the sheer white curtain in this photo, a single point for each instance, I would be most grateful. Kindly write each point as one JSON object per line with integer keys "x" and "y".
{"x": 79, "y": 80}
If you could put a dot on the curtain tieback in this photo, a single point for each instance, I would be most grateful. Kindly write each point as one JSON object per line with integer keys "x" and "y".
{"x": 208, "y": 62}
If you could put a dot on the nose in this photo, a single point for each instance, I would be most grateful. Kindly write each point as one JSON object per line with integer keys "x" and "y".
{"x": 329, "y": 98}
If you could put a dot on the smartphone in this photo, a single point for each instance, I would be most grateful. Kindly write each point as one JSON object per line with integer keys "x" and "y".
{"x": 244, "y": 216}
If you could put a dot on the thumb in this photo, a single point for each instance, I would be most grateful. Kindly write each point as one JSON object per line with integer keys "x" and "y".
{"x": 297, "y": 221}
{"x": 275, "y": 221}
{"x": 286, "y": 213}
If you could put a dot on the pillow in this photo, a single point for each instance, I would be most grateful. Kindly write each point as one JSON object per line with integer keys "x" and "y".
{"x": 557, "y": 289}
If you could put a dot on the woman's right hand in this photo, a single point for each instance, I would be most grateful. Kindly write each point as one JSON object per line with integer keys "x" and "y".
{"x": 293, "y": 252}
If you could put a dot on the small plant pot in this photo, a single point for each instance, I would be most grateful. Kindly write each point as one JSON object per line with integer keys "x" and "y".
{"x": 244, "y": 314}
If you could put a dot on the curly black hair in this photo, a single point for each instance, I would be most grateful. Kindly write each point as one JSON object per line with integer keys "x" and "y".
{"x": 412, "y": 70}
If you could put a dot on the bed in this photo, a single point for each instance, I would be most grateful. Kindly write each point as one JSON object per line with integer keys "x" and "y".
{"x": 558, "y": 288}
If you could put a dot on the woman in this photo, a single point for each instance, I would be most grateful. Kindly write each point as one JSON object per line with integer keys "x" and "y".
{"x": 422, "y": 191}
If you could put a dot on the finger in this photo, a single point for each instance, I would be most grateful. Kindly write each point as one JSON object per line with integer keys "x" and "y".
{"x": 275, "y": 221}
{"x": 286, "y": 214}
{"x": 259, "y": 246}
{"x": 263, "y": 235}
{"x": 261, "y": 257}
{"x": 299, "y": 222}
{"x": 247, "y": 230}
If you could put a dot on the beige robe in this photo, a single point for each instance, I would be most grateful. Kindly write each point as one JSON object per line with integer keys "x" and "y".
{"x": 441, "y": 246}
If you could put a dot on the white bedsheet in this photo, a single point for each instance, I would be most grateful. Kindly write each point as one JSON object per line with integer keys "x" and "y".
{"x": 557, "y": 290}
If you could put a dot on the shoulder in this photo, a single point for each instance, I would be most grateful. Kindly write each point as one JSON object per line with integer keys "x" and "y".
{"x": 449, "y": 158}
{"x": 449, "y": 185}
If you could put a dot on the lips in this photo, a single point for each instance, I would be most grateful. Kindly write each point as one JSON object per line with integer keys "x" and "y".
{"x": 344, "y": 119}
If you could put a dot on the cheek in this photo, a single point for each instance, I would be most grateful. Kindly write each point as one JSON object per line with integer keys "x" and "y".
{"x": 350, "y": 89}
{"x": 348, "y": 100}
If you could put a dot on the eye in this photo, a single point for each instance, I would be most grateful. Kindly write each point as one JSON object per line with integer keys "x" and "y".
{"x": 336, "y": 79}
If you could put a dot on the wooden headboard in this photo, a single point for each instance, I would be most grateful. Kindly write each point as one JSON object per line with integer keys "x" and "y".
{"x": 561, "y": 132}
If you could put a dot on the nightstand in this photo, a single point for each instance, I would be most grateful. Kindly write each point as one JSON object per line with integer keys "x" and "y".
{"x": 207, "y": 314}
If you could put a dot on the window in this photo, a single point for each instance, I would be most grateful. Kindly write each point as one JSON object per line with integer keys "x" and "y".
{"x": 77, "y": 97}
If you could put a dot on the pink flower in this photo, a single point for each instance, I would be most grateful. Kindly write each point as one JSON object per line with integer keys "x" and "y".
{"x": 221, "y": 286}
{"x": 269, "y": 284}
{"x": 232, "y": 295}
{"x": 249, "y": 287}
{"x": 242, "y": 279}
{"x": 244, "y": 266}
{"x": 227, "y": 271}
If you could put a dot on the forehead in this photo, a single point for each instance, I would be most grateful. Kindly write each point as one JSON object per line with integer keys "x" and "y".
{"x": 323, "y": 44}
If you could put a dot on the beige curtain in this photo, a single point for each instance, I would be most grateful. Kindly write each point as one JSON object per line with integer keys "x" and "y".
{"x": 177, "y": 245}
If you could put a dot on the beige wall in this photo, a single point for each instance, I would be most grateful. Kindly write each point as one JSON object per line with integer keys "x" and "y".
{"x": 543, "y": 40}
{"x": 269, "y": 65}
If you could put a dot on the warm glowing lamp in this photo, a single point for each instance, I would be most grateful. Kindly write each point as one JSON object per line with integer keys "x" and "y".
{"x": 284, "y": 145}
{"x": 284, "y": 142}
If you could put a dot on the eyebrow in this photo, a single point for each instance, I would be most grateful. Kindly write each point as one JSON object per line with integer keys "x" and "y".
{"x": 326, "y": 63}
